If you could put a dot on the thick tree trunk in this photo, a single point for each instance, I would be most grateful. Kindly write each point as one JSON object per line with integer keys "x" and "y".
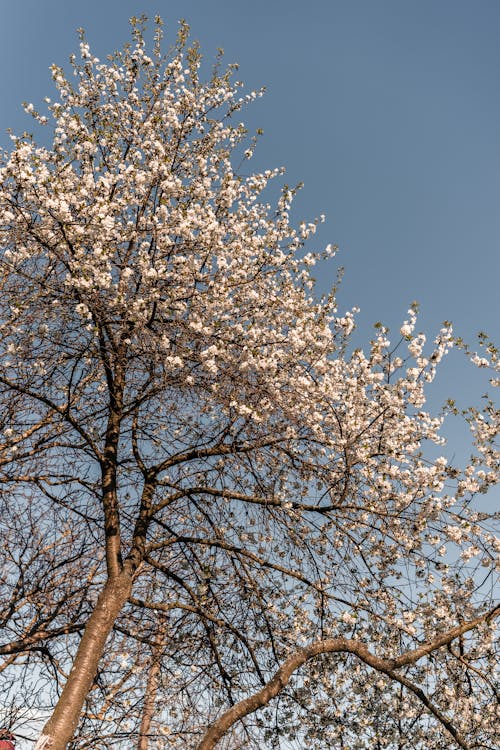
{"x": 62, "y": 725}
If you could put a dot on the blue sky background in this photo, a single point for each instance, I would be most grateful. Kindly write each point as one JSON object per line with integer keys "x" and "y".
{"x": 388, "y": 110}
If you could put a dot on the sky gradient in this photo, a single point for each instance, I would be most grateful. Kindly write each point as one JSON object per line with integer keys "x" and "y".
{"x": 388, "y": 111}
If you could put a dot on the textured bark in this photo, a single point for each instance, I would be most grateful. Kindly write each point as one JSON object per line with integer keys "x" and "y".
{"x": 151, "y": 689}
{"x": 149, "y": 706}
{"x": 275, "y": 685}
{"x": 61, "y": 727}
{"x": 336, "y": 645}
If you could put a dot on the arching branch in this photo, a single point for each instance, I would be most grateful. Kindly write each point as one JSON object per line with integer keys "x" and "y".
{"x": 338, "y": 645}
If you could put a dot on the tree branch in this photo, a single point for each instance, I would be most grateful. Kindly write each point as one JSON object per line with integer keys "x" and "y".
{"x": 338, "y": 645}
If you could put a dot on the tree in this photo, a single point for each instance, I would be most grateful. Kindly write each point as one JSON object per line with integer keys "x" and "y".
{"x": 238, "y": 510}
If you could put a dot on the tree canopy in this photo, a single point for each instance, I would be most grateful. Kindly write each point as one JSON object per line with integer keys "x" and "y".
{"x": 222, "y": 524}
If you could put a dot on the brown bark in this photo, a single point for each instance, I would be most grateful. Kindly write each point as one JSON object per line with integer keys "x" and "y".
{"x": 109, "y": 496}
{"x": 336, "y": 645}
{"x": 152, "y": 688}
{"x": 62, "y": 725}
{"x": 30, "y": 642}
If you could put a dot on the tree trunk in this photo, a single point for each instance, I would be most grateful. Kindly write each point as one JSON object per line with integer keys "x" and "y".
{"x": 152, "y": 685}
{"x": 149, "y": 705}
{"x": 62, "y": 725}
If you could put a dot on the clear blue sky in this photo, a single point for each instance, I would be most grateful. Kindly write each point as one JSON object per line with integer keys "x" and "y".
{"x": 388, "y": 110}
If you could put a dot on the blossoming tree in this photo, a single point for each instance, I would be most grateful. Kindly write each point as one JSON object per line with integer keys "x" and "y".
{"x": 249, "y": 535}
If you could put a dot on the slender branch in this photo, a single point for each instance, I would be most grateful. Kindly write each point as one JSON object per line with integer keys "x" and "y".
{"x": 266, "y": 501}
{"x": 431, "y": 707}
{"x": 21, "y": 645}
{"x": 221, "y": 544}
{"x": 443, "y": 639}
{"x": 224, "y": 449}
{"x": 55, "y": 408}
{"x": 204, "y": 614}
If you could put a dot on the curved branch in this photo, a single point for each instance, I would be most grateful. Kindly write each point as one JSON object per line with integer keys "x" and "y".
{"x": 337, "y": 645}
